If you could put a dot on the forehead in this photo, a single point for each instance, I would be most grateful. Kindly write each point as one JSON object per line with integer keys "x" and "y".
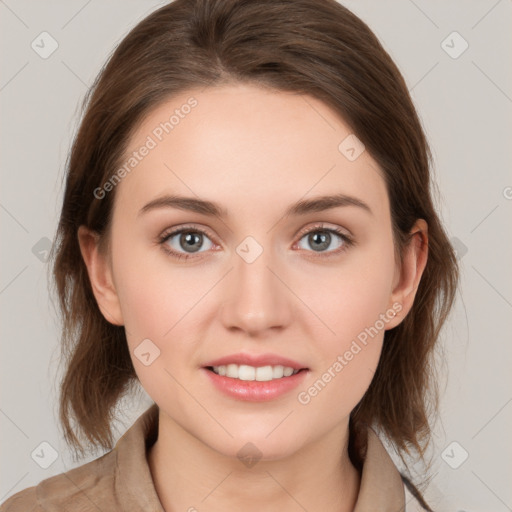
{"x": 246, "y": 145}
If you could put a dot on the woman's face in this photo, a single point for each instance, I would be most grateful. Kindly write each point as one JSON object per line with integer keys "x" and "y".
{"x": 255, "y": 282}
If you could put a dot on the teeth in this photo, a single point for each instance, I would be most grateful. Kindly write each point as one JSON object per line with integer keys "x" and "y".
{"x": 262, "y": 373}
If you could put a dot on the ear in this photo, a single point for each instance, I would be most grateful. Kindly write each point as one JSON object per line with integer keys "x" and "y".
{"x": 100, "y": 275}
{"x": 409, "y": 272}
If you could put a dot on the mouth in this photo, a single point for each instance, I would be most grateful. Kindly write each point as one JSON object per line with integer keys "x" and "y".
{"x": 259, "y": 367}
{"x": 245, "y": 372}
{"x": 255, "y": 383}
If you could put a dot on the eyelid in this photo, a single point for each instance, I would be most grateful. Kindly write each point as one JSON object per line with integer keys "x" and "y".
{"x": 300, "y": 233}
{"x": 343, "y": 233}
{"x": 186, "y": 227}
{"x": 322, "y": 225}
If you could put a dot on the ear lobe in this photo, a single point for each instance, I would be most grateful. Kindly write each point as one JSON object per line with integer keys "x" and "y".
{"x": 100, "y": 276}
{"x": 409, "y": 273}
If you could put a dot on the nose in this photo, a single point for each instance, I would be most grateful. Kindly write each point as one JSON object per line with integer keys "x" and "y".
{"x": 256, "y": 296}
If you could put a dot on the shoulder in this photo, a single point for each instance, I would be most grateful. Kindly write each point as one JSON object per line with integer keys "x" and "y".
{"x": 23, "y": 501}
{"x": 81, "y": 488}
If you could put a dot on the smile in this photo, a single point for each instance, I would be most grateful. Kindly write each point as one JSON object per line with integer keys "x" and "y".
{"x": 248, "y": 373}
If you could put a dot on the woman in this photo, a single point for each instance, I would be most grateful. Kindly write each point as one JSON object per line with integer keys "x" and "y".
{"x": 247, "y": 230}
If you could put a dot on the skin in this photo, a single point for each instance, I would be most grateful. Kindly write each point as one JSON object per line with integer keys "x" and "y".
{"x": 254, "y": 151}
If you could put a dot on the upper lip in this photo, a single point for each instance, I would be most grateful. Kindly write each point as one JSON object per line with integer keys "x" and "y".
{"x": 256, "y": 360}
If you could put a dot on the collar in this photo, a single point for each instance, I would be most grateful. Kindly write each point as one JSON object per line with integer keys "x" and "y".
{"x": 381, "y": 487}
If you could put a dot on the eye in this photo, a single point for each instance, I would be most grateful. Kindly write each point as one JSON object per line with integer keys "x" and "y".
{"x": 187, "y": 240}
{"x": 321, "y": 238}
{"x": 191, "y": 240}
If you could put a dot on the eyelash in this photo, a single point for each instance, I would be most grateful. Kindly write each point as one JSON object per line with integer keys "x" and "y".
{"x": 347, "y": 240}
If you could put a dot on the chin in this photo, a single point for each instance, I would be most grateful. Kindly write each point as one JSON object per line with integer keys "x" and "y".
{"x": 250, "y": 449}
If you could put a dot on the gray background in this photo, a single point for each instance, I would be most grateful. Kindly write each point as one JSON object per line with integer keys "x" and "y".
{"x": 465, "y": 105}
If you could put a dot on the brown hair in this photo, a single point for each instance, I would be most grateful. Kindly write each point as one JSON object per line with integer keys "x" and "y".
{"x": 315, "y": 47}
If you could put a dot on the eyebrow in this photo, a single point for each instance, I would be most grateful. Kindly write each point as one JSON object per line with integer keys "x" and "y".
{"x": 302, "y": 207}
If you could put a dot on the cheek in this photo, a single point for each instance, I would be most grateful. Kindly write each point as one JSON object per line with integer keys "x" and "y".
{"x": 160, "y": 302}
{"x": 153, "y": 292}
{"x": 362, "y": 301}
{"x": 350, "y": 302}
{"x": 349, "y": 351}
{"x": 352, "y": 298}
{"x": 156, "y": 330}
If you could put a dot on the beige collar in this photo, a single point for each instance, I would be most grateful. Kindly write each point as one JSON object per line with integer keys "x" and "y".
{"x": 381, "y": 487}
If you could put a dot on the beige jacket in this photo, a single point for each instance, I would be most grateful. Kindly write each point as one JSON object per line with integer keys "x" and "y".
{"x": 120, "y": 480}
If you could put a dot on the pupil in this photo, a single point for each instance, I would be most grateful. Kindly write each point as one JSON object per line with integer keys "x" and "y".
{"x": 190, "y": 242}
{"x": 323, "y": 238}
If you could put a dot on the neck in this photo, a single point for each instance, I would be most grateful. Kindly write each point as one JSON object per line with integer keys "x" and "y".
{"x": 190, "y": 475}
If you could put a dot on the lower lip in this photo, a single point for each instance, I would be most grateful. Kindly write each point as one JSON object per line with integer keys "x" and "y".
{"x": 253, "y": 390}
